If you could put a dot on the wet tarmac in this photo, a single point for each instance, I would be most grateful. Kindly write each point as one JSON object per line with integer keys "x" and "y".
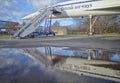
{"x": 17, "y": 67}
{"x": 49, "y": 60}
{"x": 90, "y": 42}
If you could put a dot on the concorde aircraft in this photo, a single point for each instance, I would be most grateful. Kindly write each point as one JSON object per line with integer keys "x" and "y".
{"x": 71, "y": 9}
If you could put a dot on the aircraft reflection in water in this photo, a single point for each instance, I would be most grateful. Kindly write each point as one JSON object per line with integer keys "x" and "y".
{"x": 35, "y": 65}
{"x": 95, "y": 63}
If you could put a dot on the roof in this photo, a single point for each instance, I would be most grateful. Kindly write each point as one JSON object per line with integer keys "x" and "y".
{"x": 7, "y": 21}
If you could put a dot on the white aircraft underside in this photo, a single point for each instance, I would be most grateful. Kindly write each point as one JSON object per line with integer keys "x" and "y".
{"x": 71, "y": 9}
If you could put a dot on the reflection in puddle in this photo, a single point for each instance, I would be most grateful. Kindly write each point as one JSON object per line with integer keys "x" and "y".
{"x": 82, "y": 53}
{"x": 46, "y": 65}
{"x": 15, "y": 66}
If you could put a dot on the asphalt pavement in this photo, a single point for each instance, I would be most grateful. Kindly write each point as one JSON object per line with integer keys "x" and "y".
{"x": 97, "y": 42}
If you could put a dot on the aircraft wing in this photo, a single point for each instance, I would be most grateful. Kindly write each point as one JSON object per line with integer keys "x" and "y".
{"x": 31, "y": 16}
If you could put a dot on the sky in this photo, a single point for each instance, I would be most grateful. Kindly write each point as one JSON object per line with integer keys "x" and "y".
{"x": 14, "y": 10}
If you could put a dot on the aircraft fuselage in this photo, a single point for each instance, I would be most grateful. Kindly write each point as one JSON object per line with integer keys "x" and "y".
{"x": 85, "y": 8}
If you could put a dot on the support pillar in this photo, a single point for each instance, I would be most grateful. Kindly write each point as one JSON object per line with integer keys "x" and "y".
{"x": 90, "y": 32}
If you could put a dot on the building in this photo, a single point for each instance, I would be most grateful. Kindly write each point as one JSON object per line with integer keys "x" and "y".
{"x": 6, "y": 26}
{"x": 60, "y": 30}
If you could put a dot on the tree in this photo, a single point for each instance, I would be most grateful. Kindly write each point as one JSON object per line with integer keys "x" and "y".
{"x": 56, "y": 24}
{"x": 106, "y": 24}
{"x": 24, "y": 23}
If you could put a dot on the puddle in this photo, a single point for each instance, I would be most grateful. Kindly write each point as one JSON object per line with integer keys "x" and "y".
{"x": 44, "y": 65}
{"x": 96, "y": 54}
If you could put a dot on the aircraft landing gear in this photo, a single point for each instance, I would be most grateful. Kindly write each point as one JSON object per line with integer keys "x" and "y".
{"x": 91, "y": 31}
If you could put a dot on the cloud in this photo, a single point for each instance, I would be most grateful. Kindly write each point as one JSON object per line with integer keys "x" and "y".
{"x": 5, "y": 6}
{"x": 41, "y": 3}
{"x": 37, "y": 4}
{"x": 17, "y": 13}
{"x": 16, "y": 9}
{"x": 4, "y": 3}
{"x": 3, "y": 13}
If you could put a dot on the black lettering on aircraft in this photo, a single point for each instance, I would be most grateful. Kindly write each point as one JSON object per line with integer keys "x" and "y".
{"x": 76, "y": 7}
{"x": 83, "y": 6}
